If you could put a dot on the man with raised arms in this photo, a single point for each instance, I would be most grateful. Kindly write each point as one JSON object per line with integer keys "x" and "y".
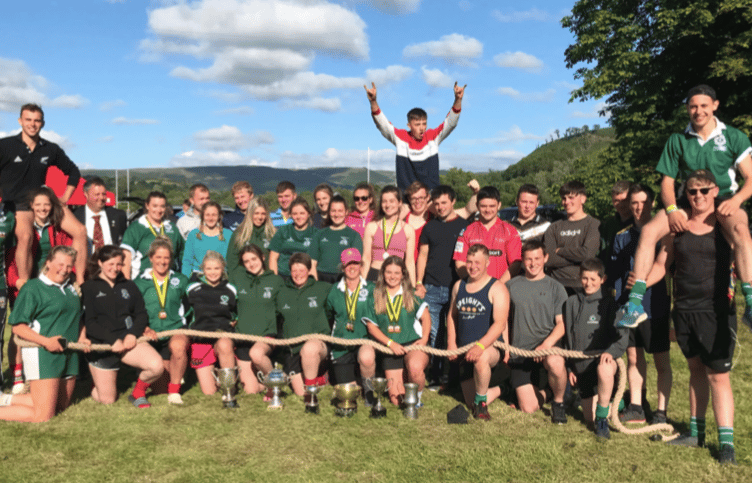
{"x": 417, "y": 148}
{"x": 24, "y": 159}
{"x": 478, "y": 314}
{"x": 706, "y": 143}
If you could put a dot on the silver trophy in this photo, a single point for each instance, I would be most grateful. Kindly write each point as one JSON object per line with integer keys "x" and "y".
{"x": 312, "y": 405}
{"x": 411, "y": 401}
{"x": 227, "y": 380}
{"x": 275, "y": 380}
{"x": 347, "y": 395}
{"x": 378, "y": 385}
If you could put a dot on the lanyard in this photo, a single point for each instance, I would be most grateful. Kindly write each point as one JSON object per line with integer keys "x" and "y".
{"x": 393, "y": 308}
{"x": 154, "y": 232}
{"x": 389, "y": 239}
{"x": 161, "y": 294}
{"x": 351, "y": 302}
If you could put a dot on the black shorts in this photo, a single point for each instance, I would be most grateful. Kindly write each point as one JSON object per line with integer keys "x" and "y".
{"x": 525, "y": 372}
{"x": 292, "y": 364}
{"x": 651, "y": 335}
{"x": 708, "y": 336}
{"x": 389, "y": 362}
{"x": 16, "y": 206}
{"x": 106, "y": 361}
{"x": 587, "y": 380}
{"x": 329, "y": 277}
{"x": 467, "y": 369}
{"x": 345, "y": 368}
{"x": 162, "y": 346}
{"x": 243, "y": 350}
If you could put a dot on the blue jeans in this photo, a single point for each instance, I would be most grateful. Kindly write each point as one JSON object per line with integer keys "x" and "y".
{"x": 438, "y": 299}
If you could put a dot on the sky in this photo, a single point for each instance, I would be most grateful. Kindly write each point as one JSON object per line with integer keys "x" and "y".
{"x": 133, "y": 83}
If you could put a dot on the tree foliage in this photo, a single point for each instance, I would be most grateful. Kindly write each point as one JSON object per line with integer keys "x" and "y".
{"x": 644, "y": 55}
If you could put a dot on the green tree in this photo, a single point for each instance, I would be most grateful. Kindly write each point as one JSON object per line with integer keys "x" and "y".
{"x": 644, "y": 55}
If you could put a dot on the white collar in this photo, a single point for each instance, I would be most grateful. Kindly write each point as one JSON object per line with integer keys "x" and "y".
{"x": 45, "y": 280}
{"x": 147, "y": 273}
{"x": 719, "y": 127}
{"x": 341, "y": 284}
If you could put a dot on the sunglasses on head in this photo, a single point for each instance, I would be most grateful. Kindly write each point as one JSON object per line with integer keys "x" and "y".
{"x": 693, "y": 191}
{"x": 360, "y": 198}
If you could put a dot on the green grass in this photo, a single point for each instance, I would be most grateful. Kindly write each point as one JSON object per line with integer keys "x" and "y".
{"x": 202, "y": 442}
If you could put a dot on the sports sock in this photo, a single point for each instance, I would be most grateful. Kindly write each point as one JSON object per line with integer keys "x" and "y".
{"x": 637, "y": 292}
{"x": 725, "y": 436}
{"x": 310, "y": 382}
{"x": 747, "y": 291}
{"x": 601, "y": 412}
{"x": 18, "y": 372}
{"x": 622, "y": 405}
{"x": 173, "y": 388}
{"x": 140, "y": 389}
{"x": 697, "y": 428}
{"x": 479, "y": 398}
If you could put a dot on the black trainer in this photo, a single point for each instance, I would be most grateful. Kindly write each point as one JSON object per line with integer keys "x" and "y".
{"x": 558, "y": 413}
{"x": 727, "y": 455}
{"x": 601, "y": 429}
{"x": 480, "y": 411}
{"x": 632, "y": 414}
{"x": 687, "y": 440}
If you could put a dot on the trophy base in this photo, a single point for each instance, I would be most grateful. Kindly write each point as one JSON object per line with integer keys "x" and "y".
{"x": 230, "y": 404}
{"x": 276, "y": 407}
{"x": 345, "y": 412}
{"x": 410, "y": 412}
{"x": 312, "y": 409}
{"x": 378, "y": 413}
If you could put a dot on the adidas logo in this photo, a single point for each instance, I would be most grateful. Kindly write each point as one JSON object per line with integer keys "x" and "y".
{"x": 286, "y": 307}
{"x": 18, "y": 159}
{"x": 101, "y": 294}
{"x": 324, "y": 240}
{"x": 242, "y": 290}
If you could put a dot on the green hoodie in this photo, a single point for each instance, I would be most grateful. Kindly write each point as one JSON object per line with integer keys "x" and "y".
{"x": 303, "y": 310}
{"x": 257, "y": 297}
{"x": 258, "y": 238}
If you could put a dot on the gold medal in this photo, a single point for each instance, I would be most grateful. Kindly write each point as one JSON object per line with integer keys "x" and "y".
{"x": 161, "y": 294}
{"x": 397, "y": 329}
{"x": 386, "y": 255}
{"x": 387, "y": 240}
{"x": 162, "y": 314}
{"x": 390, "y": 329}
{"x": 351, "y": 303}
{"x": 393, "y": 309}
{"x": 350, "y": 327}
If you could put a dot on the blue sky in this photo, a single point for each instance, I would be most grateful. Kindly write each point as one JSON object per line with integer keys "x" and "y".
{"x": 128, "y": 83}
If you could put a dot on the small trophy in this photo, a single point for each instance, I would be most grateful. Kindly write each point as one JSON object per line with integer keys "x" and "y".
{"x": 275, "y": 380}
{"x": 227, "y": 379}
{"x": 312, "y": 405}
{"x": 346, "y": 395}
{"x": 378, "y": 385}
{"x": 411, "y": 401}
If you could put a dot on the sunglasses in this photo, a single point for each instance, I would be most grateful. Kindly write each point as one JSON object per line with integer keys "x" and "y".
{"x": 693, "y": 191}
{"x": 361, "y": 198}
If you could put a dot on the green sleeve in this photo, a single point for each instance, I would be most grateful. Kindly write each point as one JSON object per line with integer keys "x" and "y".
{"x": 233, "y": 262}
{"x": 668, "y": 164}
{"x": 276, "y": 244}
{"x": 25, "y": 309}
{"x": 314, "y": 249}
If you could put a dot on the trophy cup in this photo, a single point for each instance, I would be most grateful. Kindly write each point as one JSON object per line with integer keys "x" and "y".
{"x": 227, "y": 379}
{"x": 312, "y": 406}
{"x": 378, "y": 385}
{"x": 346, "y": 394}
{"x": 275, "y": 380}
{"x": 411, "y": 401}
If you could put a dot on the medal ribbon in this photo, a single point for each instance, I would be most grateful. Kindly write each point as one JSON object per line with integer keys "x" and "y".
{"x": 153, "y": 231}
{"x": 161, "y": 294}
{"x": 393, "y": 309}
{"x": 351, "y": 302}
{"x": 387, "y": 240}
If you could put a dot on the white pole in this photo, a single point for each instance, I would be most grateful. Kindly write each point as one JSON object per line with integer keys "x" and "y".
{"x": 117, "y": 197}
{"x": 368, "y": 169}
{"x": 128, "y": 186}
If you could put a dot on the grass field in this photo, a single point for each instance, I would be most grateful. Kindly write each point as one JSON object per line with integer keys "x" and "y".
{"x": 202, "y": 442}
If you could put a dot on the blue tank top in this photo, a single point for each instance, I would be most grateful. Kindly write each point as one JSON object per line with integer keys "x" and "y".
{"x": 475, "y": 313}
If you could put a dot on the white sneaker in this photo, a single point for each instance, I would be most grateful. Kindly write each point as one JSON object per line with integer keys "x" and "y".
{"x": 5, "y": 399}
{"x": 18, "y": 389}
{"x": 174, "y": 398}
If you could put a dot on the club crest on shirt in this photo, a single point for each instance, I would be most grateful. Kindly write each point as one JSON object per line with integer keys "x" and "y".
{"x": 312, "y": 303}
{"x": 594, "y": 319}
{"x": 3, "y": 301}
{"x": 363, "y": 295}
{"x": 267, "y": 292}
{"x": 720, "y": 143}
{"x": 224, "y": 299}
{"x": 307, "y": 242}
{"x": 124, "y": 293}
{"x": 343, "y": 241}
{"x": 175, "y": 282}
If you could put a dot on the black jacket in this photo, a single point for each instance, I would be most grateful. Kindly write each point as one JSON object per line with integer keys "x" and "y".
{"x": 111, "y": 313}
{"x": 117, "y": 222}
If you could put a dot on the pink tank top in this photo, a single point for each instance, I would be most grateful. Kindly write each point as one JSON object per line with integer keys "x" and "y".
{"x": 357, "y": 222}
{"x": 397, "y": 245}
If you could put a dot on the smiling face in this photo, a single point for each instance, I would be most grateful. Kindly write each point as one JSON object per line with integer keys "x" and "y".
{"x": 199, "y": 199}
{"x": 59, "y": 268}
{"x": 701, "y": 109}
{"x": 419, "y": 201}
{"x": 31, "y": 123}
{"x": 322, "y": 199}
{"x": 393, "y": 275}
{"x": 299, "y": 274}
{"x": 211, "y": 217}
{"x": 390, "y": 204}
{"x": 362, "y": 199}
{"x": 300, "y": 216}
{"x": 352, "y": 271}
{"x": 285, "y": 198}
{"x": 444, "y": 206}
{"x": 160, "y": 261}
{"x": 488, "y": 208}
{"x": 252, "y": 263}
{"x": 477, "y": 265}
{"x": 110, "y": 269}
{"x": 155, "y": 210}
{"x": 591, "y": 281}
{"x": 213, "y": 270}
{"x": 259, "y": 216}
{"x": 534, "y": 261}
{"x": 96, "y": 198}
{"x": 699, "y": 201}
{"x": 242, "y": 198}
{"x": 573, "y": 204}
{"x": 41, "y": 206}
{"x": 526, "y": 206}
{"x": 337, "y": 213}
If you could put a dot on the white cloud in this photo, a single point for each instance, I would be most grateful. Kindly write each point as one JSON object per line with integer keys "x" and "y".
{"x": 63, "y": 141}
{"x": 515, "y": 134}
{"x": 546, "y": 96}
{"x": 124, "y": 121}
{"x": 229, "y": 138}
{"x": 19, "y": 85}
{"x": 452, "y": 48}
{"x": 519, "y": 60}
{"x": 239, "y": 111}
{"x": 110, "y": 105}
{"x": 315, "y": 103}
{"x": 302, "y": 85}
{"x": 393, "y": 73}
{"x": 114, "y": 1}
{"x": 480, "y": 162}
{"x": 436, "y": 78}
{"x": 532, "y": 14}
{"x": 594, "y": 113}
{"x": 70, "y": 102}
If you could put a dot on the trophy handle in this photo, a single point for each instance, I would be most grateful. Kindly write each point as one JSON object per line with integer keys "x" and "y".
{"x": 389, "y": 383}
{"x": 260, "y": 377}
{"x": 367, "y": 382}
{"x": 215, "y": 374}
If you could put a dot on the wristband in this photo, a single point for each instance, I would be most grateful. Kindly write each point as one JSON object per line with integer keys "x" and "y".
{"x": 670, "y": 209}
{"x": 480, "y": 345}
{"x": 389, "y": 344}
{"x": 418, "y": 283}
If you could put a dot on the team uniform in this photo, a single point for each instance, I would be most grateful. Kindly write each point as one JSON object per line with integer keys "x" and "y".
{"x": 345, "y": 358}
{"x": 404, "y": 331}
{"x": 416, "y": 160}
{"x": 653, "y": 333}
{"x": 532, "y": 313}
{"x": 474, "y": 318}
{"x": 502, "y": 240}
{"x": 7, "y": 224}
{"x": 328, "y": 245}
{"x": 720, "y": 154}
{"x": 533, "y": 229}
{"x": 177, "y": 309}
{"x": 110, "y": 314}
{"x": 138, "y": 238}
{"x": 195, "y": 249}
{"x": 590, "y": 328}
{"x": 50, "y": 309}
{"x": 258, "y": 238}
{"x": 257, "y": 303}
{"x": 576, "y": 241}
{"x": 23, "y": 170}
{"x": 303, "y": 311}
{"x": 214, "y": 308}
{"x": 704, "y": 311}
{"x": 287, "y": 241}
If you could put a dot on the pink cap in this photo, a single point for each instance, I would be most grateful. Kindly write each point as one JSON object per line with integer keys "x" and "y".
{"x": 350, "y": 255}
